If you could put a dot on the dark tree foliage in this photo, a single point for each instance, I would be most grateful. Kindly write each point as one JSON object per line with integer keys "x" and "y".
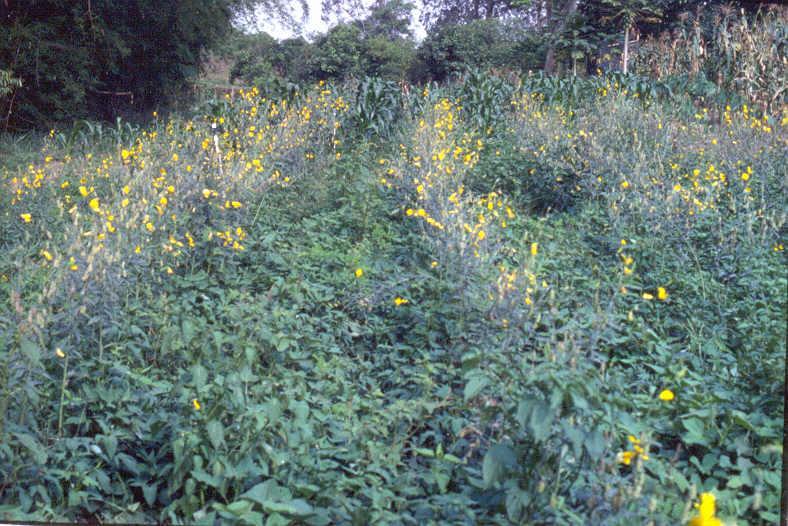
{"x": 477, "y": 44}
{"x": 93, "y": 57}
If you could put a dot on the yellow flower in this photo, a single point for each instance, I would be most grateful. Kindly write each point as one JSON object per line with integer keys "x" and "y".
{"x": 481, "y": 235}
{"x": 625, "y": 457}
{"x": 648, "y": 296}
{"x": 124, "y": 203}
{"x": 196, "y": 404}
{"x": 534, "y": 249}
{"x": 94, "y": 204}
{"x": 434, "y": 264}
{"x": 662, "y": 294}
{"x": 47, "y": 255}
{"x": 400, "y": 301}
{"x": 137, "y": 249}
{"x": 59, "y": 352}
{"x": 125, "y": 190}
{"x": 26, "y": 217}
{"x": 83, "y": 191}
{"x": 706, "y": 510}
{"x": 666, "y": 395}
{"x": 206, "y": 193}
{"x": 359, "y": 272}
{"x": 625, "y": 184}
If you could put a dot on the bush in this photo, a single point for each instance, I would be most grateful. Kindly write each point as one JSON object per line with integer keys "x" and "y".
{"x": 187, "y": 338}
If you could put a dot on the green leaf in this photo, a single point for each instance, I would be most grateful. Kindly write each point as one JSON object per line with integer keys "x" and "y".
{"x": 30, "y": 350}
{"x": 266, "y": 492}
{"x": 595, "y": 444}
{"x": 695, "y": 431}
{"x": 295, "y": 507}
{"x": 475, "y": 386}
{"x": 424, "y": 452}
{"x": 31, "y": 444}
{"x": 205, "y": 478}
{"x": 188, "y": 330}
{"x": 239, "y": 507}
{"x": 517, "y": 501}
{"x": 149, "y": 493}
{"x": 215, "y": 433}
{"x": 199, "y": 375}
{"x": 541, "y": 420}
{"x": 497, "y": 461}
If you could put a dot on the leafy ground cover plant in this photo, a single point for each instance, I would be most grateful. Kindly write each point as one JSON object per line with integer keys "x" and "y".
{"x": 557, "y": 313}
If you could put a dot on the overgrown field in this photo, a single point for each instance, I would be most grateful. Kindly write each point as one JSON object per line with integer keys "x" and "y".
{"x": 476, "y": 303}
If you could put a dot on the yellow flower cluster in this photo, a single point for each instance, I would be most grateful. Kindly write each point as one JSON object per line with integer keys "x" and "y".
{"x": 706, "y": 511}
{"x": 176, "y": 184}
{"x": 637, "y": 451}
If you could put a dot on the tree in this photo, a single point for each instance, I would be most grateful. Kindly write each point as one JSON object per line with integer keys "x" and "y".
{"x": 338, "y": 53}
{"x": 88, "y": 58}
{"x": 627, "y": 14}
{"x": 435, "y": 13}
{"x": 389, "y": 19}
{"x": 565, "y": 19}
{"x": 477, "y": 44}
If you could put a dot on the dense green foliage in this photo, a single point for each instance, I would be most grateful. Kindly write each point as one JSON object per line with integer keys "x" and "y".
{"x": 712, "y": 53}
{"x": 78, "y": 59}
{"x": 361, "y": 306}
{"x": 479, "y": 44}
{"x": 101, "y": 59}
{"x": 379, "y": 45}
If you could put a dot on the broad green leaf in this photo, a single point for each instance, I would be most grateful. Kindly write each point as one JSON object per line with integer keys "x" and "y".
{"x": 497, "y": 461}
{"x": 695, "y": 431}
{"x": 31, "y": 444}
{"x": 149, "y": 493}
{"x": 541, "y": 420}
{"x": 30, "y": 350}
{"x": 295, "y": 507}
{"x": 267, "y": 491}
{"x": 199, "y": 375}
{"x": 215, "y": 433}
{"x": 474, "y": 386}
{"x": 595, "y": 444}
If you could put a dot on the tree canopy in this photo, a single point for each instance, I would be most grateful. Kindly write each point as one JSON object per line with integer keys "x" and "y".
{"x": 82, "y": 58}
{"x": 96, "y": 58}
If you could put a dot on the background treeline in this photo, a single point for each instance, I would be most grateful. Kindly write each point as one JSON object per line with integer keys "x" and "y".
{"x": 94, "y": 59}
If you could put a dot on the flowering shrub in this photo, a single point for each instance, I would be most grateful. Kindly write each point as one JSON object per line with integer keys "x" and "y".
{"x": 548, "y": 312}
